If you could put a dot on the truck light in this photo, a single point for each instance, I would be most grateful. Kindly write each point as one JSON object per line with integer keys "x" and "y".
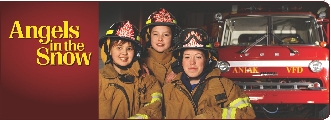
{"x": 310, "y": 101}
{"x": 223, "y": 66}
{"x": 315, "y": 66}
{"x": 314, "y": 85}
{"x": 216, "y": 44}
{"x": 323, "y": 44}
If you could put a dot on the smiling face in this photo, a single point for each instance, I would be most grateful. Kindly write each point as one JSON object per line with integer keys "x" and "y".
{"x": 193, "y": 62}
{"x": 122, "y": 52}
{"x": 161, "y": 38}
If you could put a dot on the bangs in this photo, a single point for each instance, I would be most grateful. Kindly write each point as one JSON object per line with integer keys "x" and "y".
{"x": 121, "y": 42}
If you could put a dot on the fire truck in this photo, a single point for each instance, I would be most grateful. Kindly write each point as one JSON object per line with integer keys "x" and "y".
{"x": 279, "y": 57}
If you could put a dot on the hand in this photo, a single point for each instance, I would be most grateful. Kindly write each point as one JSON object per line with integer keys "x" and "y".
{"x": 144, "y": 70}
{"x": 170, "y": 76}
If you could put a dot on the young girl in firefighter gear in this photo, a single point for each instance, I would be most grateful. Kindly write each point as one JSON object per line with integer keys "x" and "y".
{"x": 199, "y": 91}
{"x": 159, "y": 34}
{"x": 123, "y": 92}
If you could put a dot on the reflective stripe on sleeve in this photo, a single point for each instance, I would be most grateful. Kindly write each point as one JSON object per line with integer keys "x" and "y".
{"x": 233, "y": 113}
{"x": 240, "y": 103}
{"x": 230, "y": 112}
{"x": 139, "y": 116}
{"x": 155, "y": 97}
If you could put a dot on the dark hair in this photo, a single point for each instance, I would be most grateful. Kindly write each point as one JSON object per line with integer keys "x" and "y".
{"x": 120, "y": 42}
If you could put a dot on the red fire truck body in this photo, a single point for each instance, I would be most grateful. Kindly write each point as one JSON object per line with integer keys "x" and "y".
{"x": 279, "y": 67}
{"x": 277, "y": 58}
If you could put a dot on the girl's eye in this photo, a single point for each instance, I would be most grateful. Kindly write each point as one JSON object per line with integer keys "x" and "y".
{"x": 154, "y": 34}
{"x": 130, "y": 48}
{"x": 119, "y": 47}
{"x": 166, "y": 35}
{"x": 186, "y": 57}
{"x": 199, "y": 57}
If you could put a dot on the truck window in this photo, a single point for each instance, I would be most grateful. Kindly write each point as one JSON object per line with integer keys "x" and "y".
{"x": 291, "y": 30}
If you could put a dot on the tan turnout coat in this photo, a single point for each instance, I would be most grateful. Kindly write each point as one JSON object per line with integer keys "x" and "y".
{"x": 220, "y": 99}
{"x": 141, "y": 98}
{"x": 159, "y": 64}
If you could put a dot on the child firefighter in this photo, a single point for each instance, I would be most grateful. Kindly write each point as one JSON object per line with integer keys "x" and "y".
{"x": 123, "y": 91}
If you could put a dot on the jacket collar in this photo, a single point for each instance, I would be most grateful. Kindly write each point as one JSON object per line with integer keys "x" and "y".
{"x": 110, "y": 72}
{"x": 162, "y": 58}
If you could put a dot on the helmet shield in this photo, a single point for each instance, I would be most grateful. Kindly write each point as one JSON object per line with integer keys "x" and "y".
{"x": 194, "y": 38}
{"x": 123, "y": 30}
{"x": 160, "y": 17}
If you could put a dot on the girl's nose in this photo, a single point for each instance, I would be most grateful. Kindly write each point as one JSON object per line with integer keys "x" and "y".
{"x": 192, "y": 61}
{"x": 124, "y": 52}
{"x": 160, "y": 38}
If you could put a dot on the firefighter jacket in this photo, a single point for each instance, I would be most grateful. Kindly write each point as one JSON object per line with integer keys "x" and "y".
{"x": 213, "y": 97}
{"x": 128, "y": 96}
{"x": 159, "y": 64}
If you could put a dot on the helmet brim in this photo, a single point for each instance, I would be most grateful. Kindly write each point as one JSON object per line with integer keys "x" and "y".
{"x": 104, "y": 38}
{"x": 177, "y": 50}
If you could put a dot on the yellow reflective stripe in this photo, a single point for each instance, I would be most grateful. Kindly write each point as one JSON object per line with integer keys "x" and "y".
{"x": 245, "y": 105}
{"x": 239, "y": 101}
{"x": 153, "y": 100}
{"x": 239, "y": 104}
{"x": 138, "y": 38}
{"x": 155, "y": 97}
{"x": 208, "y": 46}
{"x": 139, "y": 116}
{"x": 157, "y": 94}
{"x": 148, "y": 21}
{"x": 109, "y": 32}
{"x": 229, "y": 113}
{"x": 224, "y": 111}
{"x": 233, "y": 113}
{"x": 174, "y": 21}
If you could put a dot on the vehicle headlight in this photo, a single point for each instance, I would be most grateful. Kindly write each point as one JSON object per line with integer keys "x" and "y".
{"x": 315, "y": 66}
{"x": 223, "y": 66}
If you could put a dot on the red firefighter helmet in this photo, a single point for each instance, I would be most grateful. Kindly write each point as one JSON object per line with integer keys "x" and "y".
{"x": 122, "y": 30}
{"x": 160, "y": 17}
{"x": 196, "y": 38}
